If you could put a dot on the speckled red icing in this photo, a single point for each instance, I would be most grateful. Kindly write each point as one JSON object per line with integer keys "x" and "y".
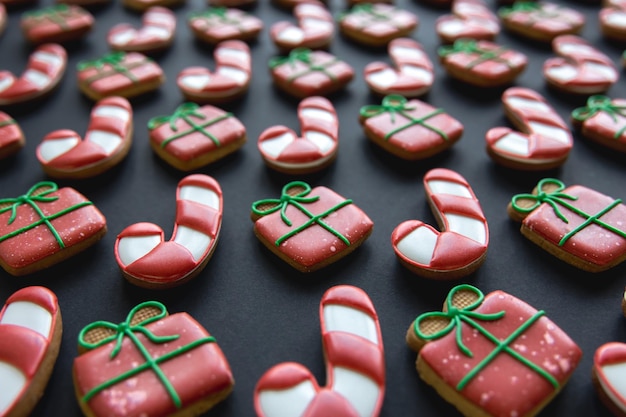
{"x": 609, "y": 361}
{"x": 470, "y": 19}
{"x": 377, "y": 22}
{"x": 56, "y": 23}
{"x": 505, "y": 386}
{"x": 156, "y": 32}
{"x": 11, "y": 135}
{"x": 542, "y": 20}
{"x": 314, "y": 29}
{"x": 220, "y": 24}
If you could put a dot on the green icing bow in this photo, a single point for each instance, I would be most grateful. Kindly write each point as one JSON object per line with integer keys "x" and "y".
{"x": 597, "y": 104}
{"x": 470, "y": 46}
{"x": 54, "y": 13}
{"x": 126, "y": 329}
{"x": 303, "y": 56}
{"x": 520, "y": 6}
{"x": 368, "y": 9}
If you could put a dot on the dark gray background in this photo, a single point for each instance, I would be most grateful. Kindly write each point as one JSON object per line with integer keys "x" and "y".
{"x": 262, "y": 311}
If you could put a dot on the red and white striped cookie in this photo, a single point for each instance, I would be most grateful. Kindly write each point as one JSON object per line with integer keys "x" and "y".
{"x": 315, "y": 28}
{"x": 45, "y": 68}
{"x": 63, "y": 154}
{"x": 156, "y": 33}
{"x": 609, "y": 376}
{"x": 461, "y": 247}
{"x": 11, "y": 136}
{"x": 147, "y": 260}
{"x": 470, "y": 19}
{"x": 377, "y": 24}
{"x": 30, "y": 337}
{"x": 541, "y": 21}
{"x": 580, "y": 67}
{"x": 612, "y": 18}
{"x": 56, "y": 24}
{"x": 544, "y": 140}
{"x": 230, "y": 80}
{"x": 217, "y": 24}
{"x": 355, "y": 365}
{"x": 412, "y": 76}
{"x": 283, "y": 150}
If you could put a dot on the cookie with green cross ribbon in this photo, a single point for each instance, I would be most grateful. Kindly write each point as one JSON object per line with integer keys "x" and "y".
{"x": 11, "y": 136}
{"x": 194, "y": 136}
{"x": 119, "y": 74}
{"x": 171, "y": 360}
{"x": 492, "y": 355}
{"x": 410, "y": 129}
{"x": 377, "y": 24}
{"x": 578, "y": 225}
{"x": 482, "y": 63}
{"x": 603, "y": 120}
{"x": 46, "y": 225}
{"x": 310, "y": 228}
{"x": 217, "y": 24}
{"x": 58, "y": 23}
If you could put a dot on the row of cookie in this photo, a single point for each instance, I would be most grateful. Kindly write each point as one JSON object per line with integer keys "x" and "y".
{"x": 468, "y": 352}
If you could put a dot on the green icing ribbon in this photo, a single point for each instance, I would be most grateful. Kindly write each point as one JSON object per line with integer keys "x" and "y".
{"x": 397, "y": 104}
{"x": 126, "y": 329}
{"x": 297, "y": 200}
{"x": 55, "y": 14}
{"x": 8, "y": 122}
{"x": 557, "y": 198}
{"x": 597, "y": 104}
{"x": 38, "y": 193}
{"x": 470, "y": 46}
{"x": 303, "y": 56}
{"x": 521, "y": 7}
{"x": 467, "y": 315}
{"x": 184, "y": 112}
{"x": 367, "y": 9}
{"x": 114, "y": 60}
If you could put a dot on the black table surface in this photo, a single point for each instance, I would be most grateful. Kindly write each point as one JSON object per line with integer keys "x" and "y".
{"x": 261, "y": 310}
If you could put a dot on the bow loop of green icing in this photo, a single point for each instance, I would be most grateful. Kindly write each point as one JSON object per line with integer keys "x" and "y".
{"x": 219, "y": 12}
{"x": 181, "y": 112}
{"x": 553, "y": 198}
{"x": 296, "y": 55}
{"x": 520, "y": 7}
{"x": 48, "y": 12}
{"x": 113, "y": 59}
{"x": 600, "y": 104}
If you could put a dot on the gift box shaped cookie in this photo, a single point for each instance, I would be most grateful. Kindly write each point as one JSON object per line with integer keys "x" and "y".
{"x": 310, "y": 228}
{"x": 492, "y": 355}
{"x": 152, "y": 364}
{"x": 45, "y": 226}
{"x": 58, "y": 23}
{"x": 603, "y": 120}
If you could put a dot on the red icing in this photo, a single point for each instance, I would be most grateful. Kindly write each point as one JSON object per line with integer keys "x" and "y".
{"x": 394, "y": 23}
{"x": 606, "y": 125}
{"x": 283, "y": 376}
{"x": 549, "y": 21}
{"x": 237, "y": 24}
{"x": 76, "y": 22}
{"x": 310, "y": 16}
{"x": 37, "y": 295}
{"x": 349, "y": 296}
{"x": 475, "y": 18}
{"x": 539, "y": 147}
{"x": 612, "y": 353}
{"x": 10, "y": 134}
{"x": 144, "y": 39}
{"x": 329, "y": 403}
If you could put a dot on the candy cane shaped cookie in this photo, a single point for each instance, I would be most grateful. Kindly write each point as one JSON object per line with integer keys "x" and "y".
{"x": 413, "y": 74}
{"x": 545, "y": 139}
{"x": 45, "y": 68}
{"x": 469, "y": 19}
{"x": 63, "y": 154}
{"x": 612, "y": 18}
{"x": 355, "y": 365}
{"x": 147, "y": 260}
{"x": 284, "y": 151}
{"x": 580, "y": 68}
{"x": 461, "y": 247}
{"x": 229, "y": 81}
{"x": 156, "y": 32}
{"x": 314, "y": 30}
{"x": 30, "y": 337}
{"x": 11, "y": 136}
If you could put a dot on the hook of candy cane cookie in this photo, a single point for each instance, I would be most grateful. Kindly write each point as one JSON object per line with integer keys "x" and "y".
{"x": 461, "y": 247}
{"x": 30, "y": 338}
{"x": 229, "y": 81}
{"x": 284, "y": 151}
{"x": 470, "y": 19}
{"x": 314, "y": 30}
{"x": 147, "y": 260}
{"x": 45, "y": 68}
{"x": 355, "y": 365}
{"x": 609, "y": 365}
{"x": 63, "y": 154}
{"x": 412, "y": 76}
{"x": 544, "y": 140}
{"x": 580, "y": 67}
{"x": 156, "y": 33}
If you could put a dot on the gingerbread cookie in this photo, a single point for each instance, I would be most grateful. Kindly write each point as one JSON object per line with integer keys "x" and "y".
{"x": 152, "y": 364}
{"x": 310, "y": 228}
{"x": 195, "y": 136}
{"x": 603, "y": 120}
{"x": 119, "y": 74}
{"x": 470, "y": 19}
{"x": 30, "y": 338}
{"x": 541, "y": 21}
{"x": 147, "y": 260}
{"x": 544, "y": 140}
{"x": 612, "y": 17}
{"x": 355, "y": 365}
{"x": 412, "y": 75}
{"x": 45, "y": 68}
{"x": 482, "y": 63}
{"x": 45, "y": 226}
{"x": 377, "y": 24}
{"x": 64, "y": 154}
{"x": 461, "y": 246}
{"x": 315, "y": 28}
{"x": 409, "y": 129}
{"x": 58, "y": 23}
{"x": 304, "y": 73}
{"x": 218, "y": 24}
{"x": 580, "y": 67}
{"x": 283, "y": 150}
{"x": 608, "y": 376}
{"x": 11, "y": 136}
{"x": 229, "y": 81}
{"x": 578, "y": 225}
{"x": 492, "y": 355}
{"x": 156, "y": 33}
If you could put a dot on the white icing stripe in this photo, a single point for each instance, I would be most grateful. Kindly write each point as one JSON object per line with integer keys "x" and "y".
{"x": 290, "y": 402}
{"x": 6, "y": 82}
{"x": 13, "y": 382}
{"x": 324, "y": 142}
{"x": 29, "y": 315}
{"x": 563, "y": 73}
{"x": 236, "y": 74}
{"x": 451, "y": 27}
{"x": 340, "y": 318}
{"x": 200, "y": 195}
{"x": 156, "y": 32}
{"x": 419, "y": 245}
{"x": 48, "y": 58}
{"x": 112, "y": 111}
{"x": 132, "y": 248}
{"x": 418, "y": 73}
{"x": 383, "y": 79}
{"x": 238, "y": 54}
{"x": 312, "y": 113}
{"x": 195, "y": 82}
{"x": 513, "y": 143}
{"x": 39, "y": 79}
{"x": 123, "y": 37}
{"x": 468, "y": 227}
{"x": 291, "y": 34}
{"x": 602, "y": 71}
{"x": 525, "y": 103}
{"x": 448, "y": 187}
{"x": 553, "y": 132}
{"x": 615, "y": 374}
{"x": 50, "y": 149}
{"x": 196, "y": 242}
{"x": 407, "y": 53}
{"x": 106, "y": 140}
{"x": 360, "y": 391}
{"x": 276, "y": 145}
